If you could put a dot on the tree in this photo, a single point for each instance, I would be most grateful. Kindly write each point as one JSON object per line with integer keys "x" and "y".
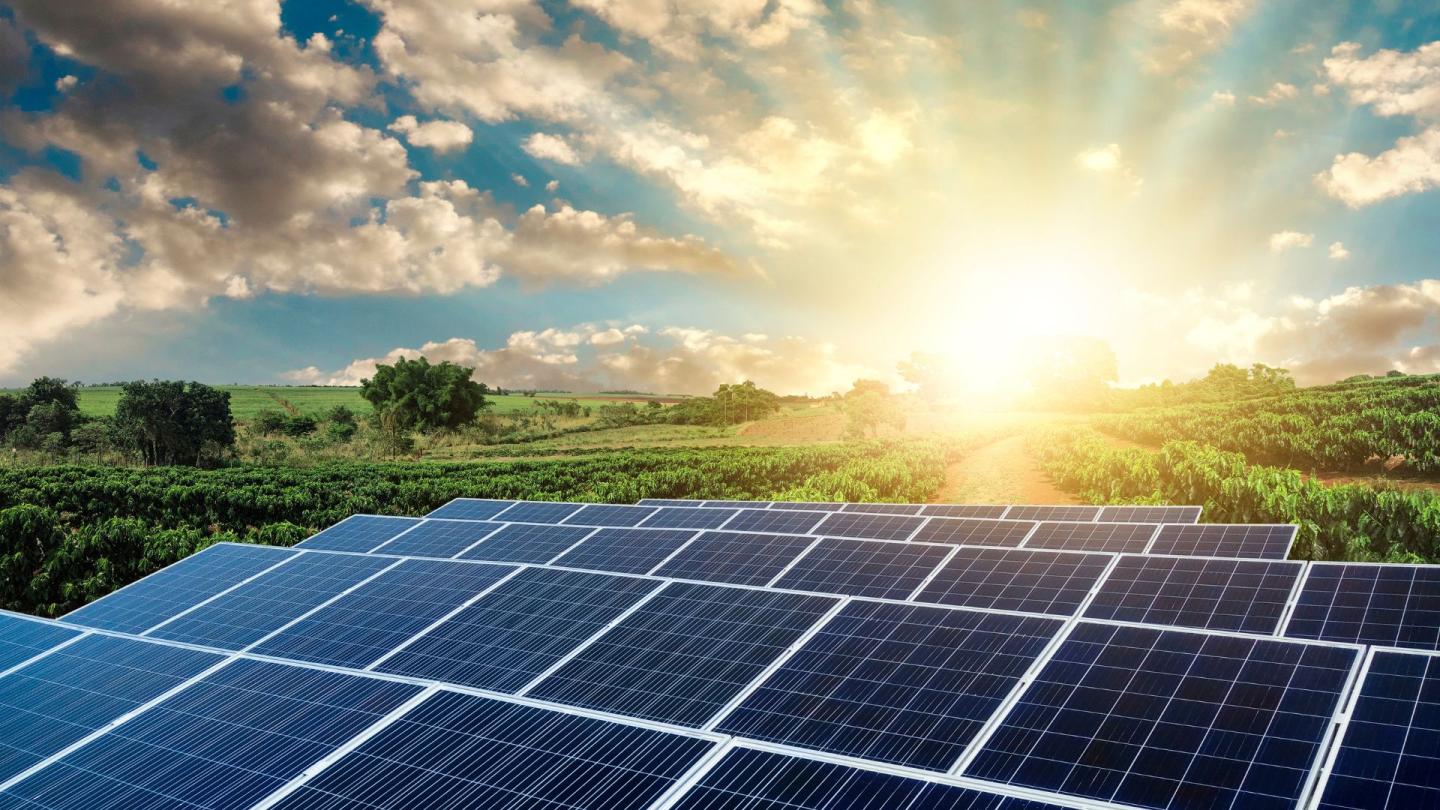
{"x": 868, "y": 407}
{"x": 47, "y": 390}
{"x": 416, "y": 395}
{"x": 170, "y": 422}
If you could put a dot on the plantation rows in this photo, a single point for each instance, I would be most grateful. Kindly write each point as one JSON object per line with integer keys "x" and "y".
{"x": 69, "y": 535}
{"x": 1350, "y": 522}
{"x": 1339, "y": 428}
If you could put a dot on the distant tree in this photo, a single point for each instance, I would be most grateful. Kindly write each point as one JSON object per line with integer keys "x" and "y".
{"x": 868, "y": 407}
{"x": 268, "y": 421}
{"x": 12, "y": 414}
{"x": 171, "y": 422}
{"x": 1394, "y": 372}
{"x": 418, "y": 395}
{"x": 46, "y": 390}
{"x": 299, "y": 425}
{"x": 340, "y": 423}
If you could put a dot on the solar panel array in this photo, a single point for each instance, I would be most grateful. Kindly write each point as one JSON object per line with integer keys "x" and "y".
{"x": 719, "y": 655}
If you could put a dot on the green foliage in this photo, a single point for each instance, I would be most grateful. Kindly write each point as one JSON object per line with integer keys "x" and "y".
{"x": 730, "y": 405}
{"x": 1223, "y": 383}
{"x": 868, "y": 407}
{"x": 419, "y": 396}
{"x": 171, "y": 422}
{"x": 29, "y": 534}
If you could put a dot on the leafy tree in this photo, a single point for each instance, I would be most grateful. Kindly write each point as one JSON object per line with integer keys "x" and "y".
{"x": 47, "y": 390}
{"x": 170, "y": 422}
{"x": 268, "y": 422}
{"x": 868, "y": 407}
{"x": 12, "y": 414}
{"x": 418, "y": 395}
{"x": 340, "y": 424}
{"x": 299, "y": 425}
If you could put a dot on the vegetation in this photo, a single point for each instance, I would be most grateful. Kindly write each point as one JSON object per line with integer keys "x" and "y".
{"x": 868, "y": 407}
{"x": 171, "y": 422}
{"x": 1224, "y": 383}
{"x": 414, "y": 395}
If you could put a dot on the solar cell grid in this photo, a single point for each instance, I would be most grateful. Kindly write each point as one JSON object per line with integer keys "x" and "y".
{"x": 225, "y": 741}
{"x": 23, "y": 639}
{"x": 884, "y": 508}
{"x": 57, "y": 700}
{"x": 1226, "y": 540}
{"x": 906, "y": 684}
{"x": 382, "y": 614}
{"x": 626, "y": 551}
{"x": 974, "y": 532}
{"x": 668, "y": 502}
{"x": 526, "y": 543}
{"x": 1388, "y": 605}
{"x": 685, "y": 653}
{"x": 872, "y": 527}
{"x": 1150, "y": 514}
{"x": 740, "y": 558}
{"x": 248, "y": 613}
{"x": 501, "y": 755}
{"x": 1016, "y": 579}
{"x": 1043, "y": 512}
{"x": 610, "y": 514}
{"x": 774, "y": 520}
{"x": 1242, "y": 595}
{"x": 691, "y": 517}
{"x": 1125, "y": 538}
{"x": 964, "y": 510}
{"x": 737, "y": 504}
{"x": 144, "y": 604}
{"x": 1389, "y": 755}
{"x": 863, "y": 568}
{"x": 439, "y": 538}
{"x": 808, "y": 506}
{"x": 538, "y": 512}
{"x": 359, "y": 533}
{"x": 1168, "y": 718}
{"x": 515, "y": 632}
{"x": 471, "y": 509}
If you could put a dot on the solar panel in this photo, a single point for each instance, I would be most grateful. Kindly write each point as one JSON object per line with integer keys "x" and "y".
{"x": 749, "y": 779}
{"x": 668, "y": 502}
{"x": 906, "y": 684}
{"x": 864, "y": 568}
{"x": 626, "y": 551}
{"x": 1247, "y": 596}
{"x": 471, "y": 509}
{"x": 22, "y": 639}
{"x": 884, "y": 508}
{"x": 869, "y": 527}
{"x": 515, "y": 632}
{"x": 524, "y": 543}
{"x": 737, "y": 504}
{"x": 359, "y": 533}
{"x": 739, "y": 558}
{"x": 1016, "y": 579}
{"x": 610, "y": 514}
{"x": 964, "y": 510}
{"x": 439, "y": 538}
{"x": 779, "y": 521}
{"x": 146, "y": 603}
{"x": 1389, "y": 755}
{"x": 538, "y": 512}
{"x": 1127, "y": 538}
{"x": 974, "y": 532}
{"x": 1171, "y": 718}
{"x": 1226, "y": 540}
{"x": 1030, "y": 512}
{"x": 685, "y": 653}
{"x": 692, "y": 517}
{"x": 808, "y": 506}
{"x": 1150, "y": 514}
{"x": 247, "y": 614}
{"x": 456, "y": 750}
{"x": 60, "y": 699}
{"x": 225, "y": 741}
{"x": 382, "y": 614}
{"x": 1388, "y": 605}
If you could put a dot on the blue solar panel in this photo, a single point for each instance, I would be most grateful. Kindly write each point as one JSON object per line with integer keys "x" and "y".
{"x": 225, "y": 741}
{"x": 439, "y": 538}
{"x": 747, "y": 779}
{"x": 1016, "y": 579}
{"x": 359, "y": 533}
{"x": 692, "y": 517}
{"x": 884, "y": 508}
{"x": 871, "y": 527}
{"x": 737, "y": 504}
{"x": 1386, "y": 605}
{"x": 627, "y": 551}
{"x": 1122, "y": 538}
{"x": 382, "y": 614}
{"x": 523, "y": 543}
{"x": 864, "y": 568}
{"x": 1168, "y": 718}
{"x": 610, "y": 514}
{"x": 1029, "y": 512}
{"x": 1150, "y": 514}
{"x": 22, "y": 639}
{"x": 781, "y": 521}
{"x": 1226, "y": 540}
{"x": 1389, "y": 755}
{"x": 964, "y": 510}
{"x": 669, "y": 502}
{"x": 808, "y": 506}
{"x": 684, "y": 654}
{"x": 471, "y": 509}
{"x": 907, "y": 684}
{"x": 144, "y": 604}
{"x": 538, "y": 512}
{"x": 61, "y": 698}
{"x": 1247, "y": 596}
{"x": 974, "y": 532}
{"x": 243, "y": 616}
{"x": 457, "y": 750}
{"x": 515, "y": 632}
{"x": 739, "y": 558}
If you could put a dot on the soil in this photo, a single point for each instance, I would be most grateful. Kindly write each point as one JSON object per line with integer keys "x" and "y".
{"x": 1000, "y": 472}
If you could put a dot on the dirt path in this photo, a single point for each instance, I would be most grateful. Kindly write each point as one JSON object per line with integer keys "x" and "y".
{"x": 1001, "y": 472}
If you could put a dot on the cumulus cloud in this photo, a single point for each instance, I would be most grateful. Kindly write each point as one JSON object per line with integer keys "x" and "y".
{"x": 441, "y": 136}
{"x": 1109, "y": 161}
{"x": 1278, "y": 92}
{"x": 1222, "y": 98}
{"x": 1186, "y": 30}
{"x": 1290, "y": 240}
{"x": 550, "y": 147}
{"x": 676, "y": 28}
{"x": 1411, "y": 166}
{"x": 1338, "y": 251}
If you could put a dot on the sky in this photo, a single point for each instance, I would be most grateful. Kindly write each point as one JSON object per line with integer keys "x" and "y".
{"x": 666, "y": 195}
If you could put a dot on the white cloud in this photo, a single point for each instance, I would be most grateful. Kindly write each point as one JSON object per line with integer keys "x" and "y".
{"x": 65, "y": 84}
{"x": 519, "y": 180}
{"x": 1186, "y": 30}
{"x": 551, "y": 147}
{"x": 1222, "y": 98}
{"x": 1278, "y": 92}
{"x": 1109, "y": 161}
{"x": 1338, "y": 251}
{"x": 1411, "y": 166}
{"x": 552, "y": 186}
{"x": 1289, "y": 240}
{"x": 441, "y": 136}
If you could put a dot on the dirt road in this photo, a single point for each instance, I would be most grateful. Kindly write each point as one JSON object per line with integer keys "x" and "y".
{"x": 1001, "y": 472}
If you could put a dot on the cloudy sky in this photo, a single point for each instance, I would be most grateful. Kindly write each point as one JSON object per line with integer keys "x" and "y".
{"x": 669, "y": 194}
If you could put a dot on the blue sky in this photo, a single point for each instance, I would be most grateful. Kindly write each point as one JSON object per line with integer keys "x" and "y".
{"x": 620, "y": 193}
